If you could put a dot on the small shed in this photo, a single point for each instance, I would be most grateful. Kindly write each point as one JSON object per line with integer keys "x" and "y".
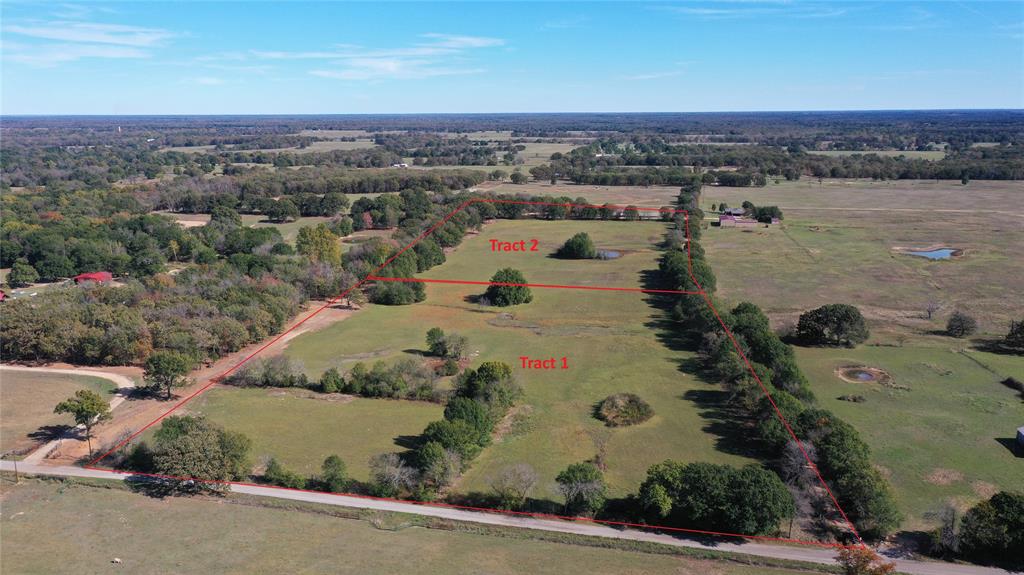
{"x": 98, "y": 277}
{"x": 727, "y": 221}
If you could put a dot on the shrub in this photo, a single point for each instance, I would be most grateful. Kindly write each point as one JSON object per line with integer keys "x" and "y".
{"x": 334, "y": 475}
{"x": 277, "y": 474}
{"x": 578, "y": 247}
{"x": 622, "y": 409}
{"x": 582, "y": 485}
{"x": 961, "y": 325}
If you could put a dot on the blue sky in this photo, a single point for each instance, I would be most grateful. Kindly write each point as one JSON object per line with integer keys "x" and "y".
{"x": 332, "y": 57}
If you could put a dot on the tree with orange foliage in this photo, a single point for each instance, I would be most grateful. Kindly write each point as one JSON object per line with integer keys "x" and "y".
{"x": 861, "y": 560}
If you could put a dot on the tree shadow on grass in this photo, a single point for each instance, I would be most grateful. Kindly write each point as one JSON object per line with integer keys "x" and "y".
{"x": 411, "y": 442}
{"x": 732, "y": 430}
{"x": 47, "y": 433}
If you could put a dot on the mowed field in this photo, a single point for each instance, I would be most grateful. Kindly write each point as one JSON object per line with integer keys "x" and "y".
{"x": 89, "y": 526}
{"x": 612, "y": 342}
{"x": 946, "y": 438}
{"x": 27, "y": 401}
{"x": 836, "y": 245}
{"x": 942, "y": 440}
{"x": 300, "y": 428}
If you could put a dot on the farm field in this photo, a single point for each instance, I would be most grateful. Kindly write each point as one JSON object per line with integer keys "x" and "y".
{"x": 836, "y": 245}
{"x": 301, "y": 429}
{"x": 89, "y": 526}
{"x": 29, "y": 399}
{"x": 600, "y": 333}
{"x": 944, "y": 438}
{"x": 939, "y": 441}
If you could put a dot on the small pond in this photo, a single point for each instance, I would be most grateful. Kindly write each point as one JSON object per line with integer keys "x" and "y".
{"x": 860, "y": 375}
{"x": 939, "y": 254}
{"x": 608, "y": 254}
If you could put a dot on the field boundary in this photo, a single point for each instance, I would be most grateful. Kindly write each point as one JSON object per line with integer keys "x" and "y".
{"x": 93, "y": 464}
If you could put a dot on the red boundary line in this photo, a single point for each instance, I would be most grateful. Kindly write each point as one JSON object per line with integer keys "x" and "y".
{"x": 553, "y": 286}
{"x": 373, "y": 277}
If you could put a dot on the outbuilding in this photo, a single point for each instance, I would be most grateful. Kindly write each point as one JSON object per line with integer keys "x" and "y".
{"x": 98, "y": 277}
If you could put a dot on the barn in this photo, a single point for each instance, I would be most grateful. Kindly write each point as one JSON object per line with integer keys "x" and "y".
{"x": 98, "y": 277}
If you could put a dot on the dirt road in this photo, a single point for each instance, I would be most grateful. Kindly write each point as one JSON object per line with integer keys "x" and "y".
{"x": 124, "y": 383}
{"x": 821, "y": 556}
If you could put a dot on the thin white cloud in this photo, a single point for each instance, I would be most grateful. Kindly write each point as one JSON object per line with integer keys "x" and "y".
{"x": 438, "y": 55}
{"x": 460, "y": 42}
{"x": 735, "y": 9}
{"x": 90, "y": 33}
{"x": 54, "y": 54}
{"x": 390, "y": 68}
{"x": 653, "y": 75}
{"x": 565, "y": 23}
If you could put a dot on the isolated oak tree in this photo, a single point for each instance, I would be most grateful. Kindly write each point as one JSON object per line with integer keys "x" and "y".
{"x": 87, "y": 408}
{"x": 833, "y": 324}
{"x": 578, "y": 247}
{"x": 508, "y": 295}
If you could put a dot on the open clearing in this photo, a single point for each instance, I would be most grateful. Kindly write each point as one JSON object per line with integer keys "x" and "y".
{"x": 600, "y": 333}
{"x": 90, "y": 526}
{"x": 28, "y": 400}
{"x": 301, "y": 429}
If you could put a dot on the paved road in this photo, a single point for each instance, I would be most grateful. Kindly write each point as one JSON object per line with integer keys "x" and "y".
{"x": 796, "y": 553}
{"x": 124, "y": 385}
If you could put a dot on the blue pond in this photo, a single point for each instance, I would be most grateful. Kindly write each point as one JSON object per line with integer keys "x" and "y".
{"x": 608, "y": 254}
{"x": 940, "y": 254}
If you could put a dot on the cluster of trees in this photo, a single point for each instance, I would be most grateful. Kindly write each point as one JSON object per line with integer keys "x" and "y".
{"x": 841, "y": 454}
{"x": 481, "y": 397}
{"x": 406, "y": 379}
{"x": 749, "y": 500}
{"x": 990, "y": 532}
{"x": 194, "y": 450}
{"x": 203, "y": 313}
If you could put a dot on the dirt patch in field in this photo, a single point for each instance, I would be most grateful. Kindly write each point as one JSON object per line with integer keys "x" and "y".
{"x": 310, "y": 394}
{"x": 984, "y": 489}
{"x": 940, "y": 476}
